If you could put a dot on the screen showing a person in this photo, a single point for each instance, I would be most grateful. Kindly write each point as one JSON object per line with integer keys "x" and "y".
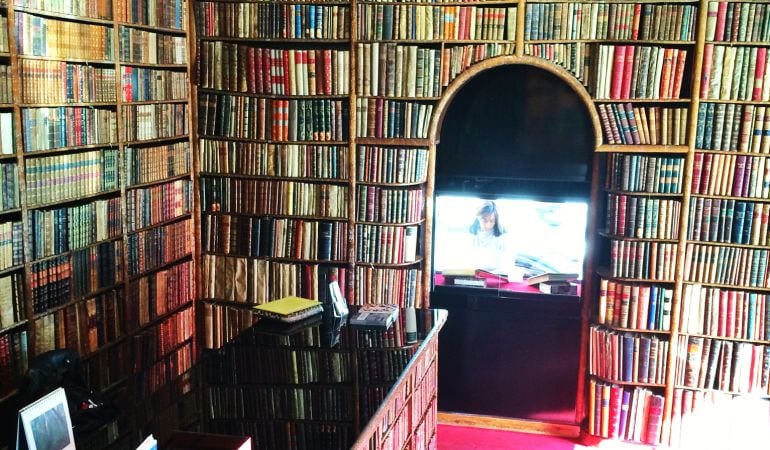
{"x": 518, "y": 238}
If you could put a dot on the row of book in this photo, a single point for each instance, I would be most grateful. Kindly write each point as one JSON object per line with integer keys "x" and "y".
{"x": 730, "y": 174}
{"x": 57, "y": 127}
{"x": 457, "y": 58}
{"x": 629, "y": 72}
{"x": 739, "y": 367}
{"x": 87, "y": 325}
{"x": 387, "y": 244}
{"x": 68, "y": 228}
{"x": 11, "y": 245}
{"x": 726, "y": 313}
{"x": 636, "y": 306}
{"x": 621, "y": 412}
{"x": 642, "y": 173}
{"x": 9, "y": 186}
{"x": 279, "y": 365}
{"x": 141, "y": 84}
{"x": 13, "y": 360}
{"x": 389, "y": 69}
{"x": 388, "y": 286}
{"x": 384, "y": 22}
{"x": 244, "y": 196}
{"x": 272, "y": 119}
{"x": 392, "y": 165}
{"x": 728, "y": 220}
{"x": 731, "y": 127}
{"x": 383, "y": 366}
{"x": 274, "y": 237}
{"x": 243, "y": 68}
{"x": 259, "y": 280}
{"x": 147, "y": 47}
{"x": 59, "y": 280}
{"x": 734, "y": 266}
{"x": 274, "y": 160}
{"x": 735, "y": 73}
{"x": 158, "y": 13}
{"x": 45, "y": 81}
{"x": 223, "y": 322}
{"x": 642, "y": 259}
{"x": 156, "y": 204}
{"x": 95, "y": 9}
{"x": 738, "y": 22}
{"x": 156, "y": 163}
{"x": 64, "y": 177}
{"x": 624, "y": 123}
{"x": 11, "y": 299}
{"x": 575, "y": 57}
{"x": 384, "y": 118}
{"x": 610, "y": 21}
{"x": 103, "y": 369}
{"x": 154, "y": 343}
{"x": 6, "y": 84}
{"x": 165, "y": 373}
{"x": 643, "y": 217}
{"x": 272, "y": 20}
{"x": 153, "y": 248}
{"x": 378, "y": 204}
{"x": 628, "y": 357}
{"x": 158, "y": 121}
{"x": 51, "y": 38}
{"x": 157, "y": 294}
{"x": 281, "y": 403}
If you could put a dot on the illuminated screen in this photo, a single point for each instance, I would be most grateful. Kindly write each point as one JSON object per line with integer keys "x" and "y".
{"x": 536, "y": 236}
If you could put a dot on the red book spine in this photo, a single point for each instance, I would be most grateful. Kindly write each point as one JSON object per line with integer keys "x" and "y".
{"x": 720, "y": 27}
{"x": 260, "y": 71}
{"x": 616, "y": 397}
{"x": 628, "y": 71}
{"x": 706, "y": 173}
{"x": 654, "y": 420}
{"x": 759, "y": 74}
{"x": 620, "y": 225}
{"x": 681, "y": 59}
{"x": 740, "y": 166}
{"x": 327, "y": 73}
{"x": 285, "y": 73}
{"x": 251, "y": 71}
{"x": 618, "y": 69}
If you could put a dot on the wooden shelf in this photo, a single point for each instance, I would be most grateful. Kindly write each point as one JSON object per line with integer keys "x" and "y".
{"x": 155, "y": 28}
{"x": 409, "y": 142}
{"x": 68, "y": 104}
{"x": 71, "y": 251}
{"x": 109, "y": 62}
{"x": 644, "y": 194}
{"x": 160, "y": 267}
{"x": 151, "y": 65}
{"x": 274, "y": 96}
{"x": 635, "y": 239}
{"x": 625, "y": 148}
{"x": 155, "y": 102}
{"x": 64, "y": 16}
{"x": 160, "y": 224}
{"x": 74, "y": 301}
{"x": 281, "y": 216}
{"x": 184, "y": 176}
{"x": 281, "y": 40}
{"x": 74, "y": 148}
{"x": 629, "y": 383}
{"x": 155, "y": 140}
{"x": 69, "y": 200}
{"x": 340, "y": 181}
{"x": 269, "y": 141}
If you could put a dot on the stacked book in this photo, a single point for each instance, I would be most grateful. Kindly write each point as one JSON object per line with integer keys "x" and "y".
{"x": 289, "y": 309}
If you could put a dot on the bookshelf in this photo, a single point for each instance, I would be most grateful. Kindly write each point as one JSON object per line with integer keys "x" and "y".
{"x": 97, "y": 202}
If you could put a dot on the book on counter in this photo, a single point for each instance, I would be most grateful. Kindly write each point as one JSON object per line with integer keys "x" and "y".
{"x": 376, "y": 316}
{"x": 551, "y": 277}
{"x": 559, "y": 287}
{"x": 289, "y": 309}
{"x": 473, "y": 278}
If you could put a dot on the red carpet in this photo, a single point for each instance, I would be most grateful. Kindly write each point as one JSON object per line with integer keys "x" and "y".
{"x": 452, "y": 437}
{"x": 455, "y": 437}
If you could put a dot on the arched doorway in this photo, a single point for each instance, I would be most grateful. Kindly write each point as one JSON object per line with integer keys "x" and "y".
{"x": 514, "y": 127}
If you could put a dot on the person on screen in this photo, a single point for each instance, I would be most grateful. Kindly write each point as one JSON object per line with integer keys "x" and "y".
{"x": 491, "y": 249}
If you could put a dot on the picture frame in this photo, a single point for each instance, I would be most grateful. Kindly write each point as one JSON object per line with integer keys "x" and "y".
{"x": 47, "y": 424}
{"x": 339, "y": 304}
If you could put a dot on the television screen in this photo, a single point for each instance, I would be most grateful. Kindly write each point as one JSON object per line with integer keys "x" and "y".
{"x": 515, "y": 237}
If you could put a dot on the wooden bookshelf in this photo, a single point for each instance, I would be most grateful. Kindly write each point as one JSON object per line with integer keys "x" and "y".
{"x": 73, "y": 89}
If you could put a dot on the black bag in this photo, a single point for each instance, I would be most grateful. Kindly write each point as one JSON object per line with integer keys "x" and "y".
{"x": 61, "y": 368}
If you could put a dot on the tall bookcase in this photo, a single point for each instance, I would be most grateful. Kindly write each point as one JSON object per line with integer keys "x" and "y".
{"x": 97, "y": 201}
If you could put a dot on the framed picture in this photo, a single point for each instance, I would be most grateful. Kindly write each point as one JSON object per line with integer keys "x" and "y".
{"x": 47, "y": 424}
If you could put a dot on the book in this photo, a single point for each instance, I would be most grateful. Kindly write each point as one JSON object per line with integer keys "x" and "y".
{"x": 552, "y": 276}
{"x": 558, "y": 287}
{"x": 289, "y": 309}
{"x": 378, "y": 316}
